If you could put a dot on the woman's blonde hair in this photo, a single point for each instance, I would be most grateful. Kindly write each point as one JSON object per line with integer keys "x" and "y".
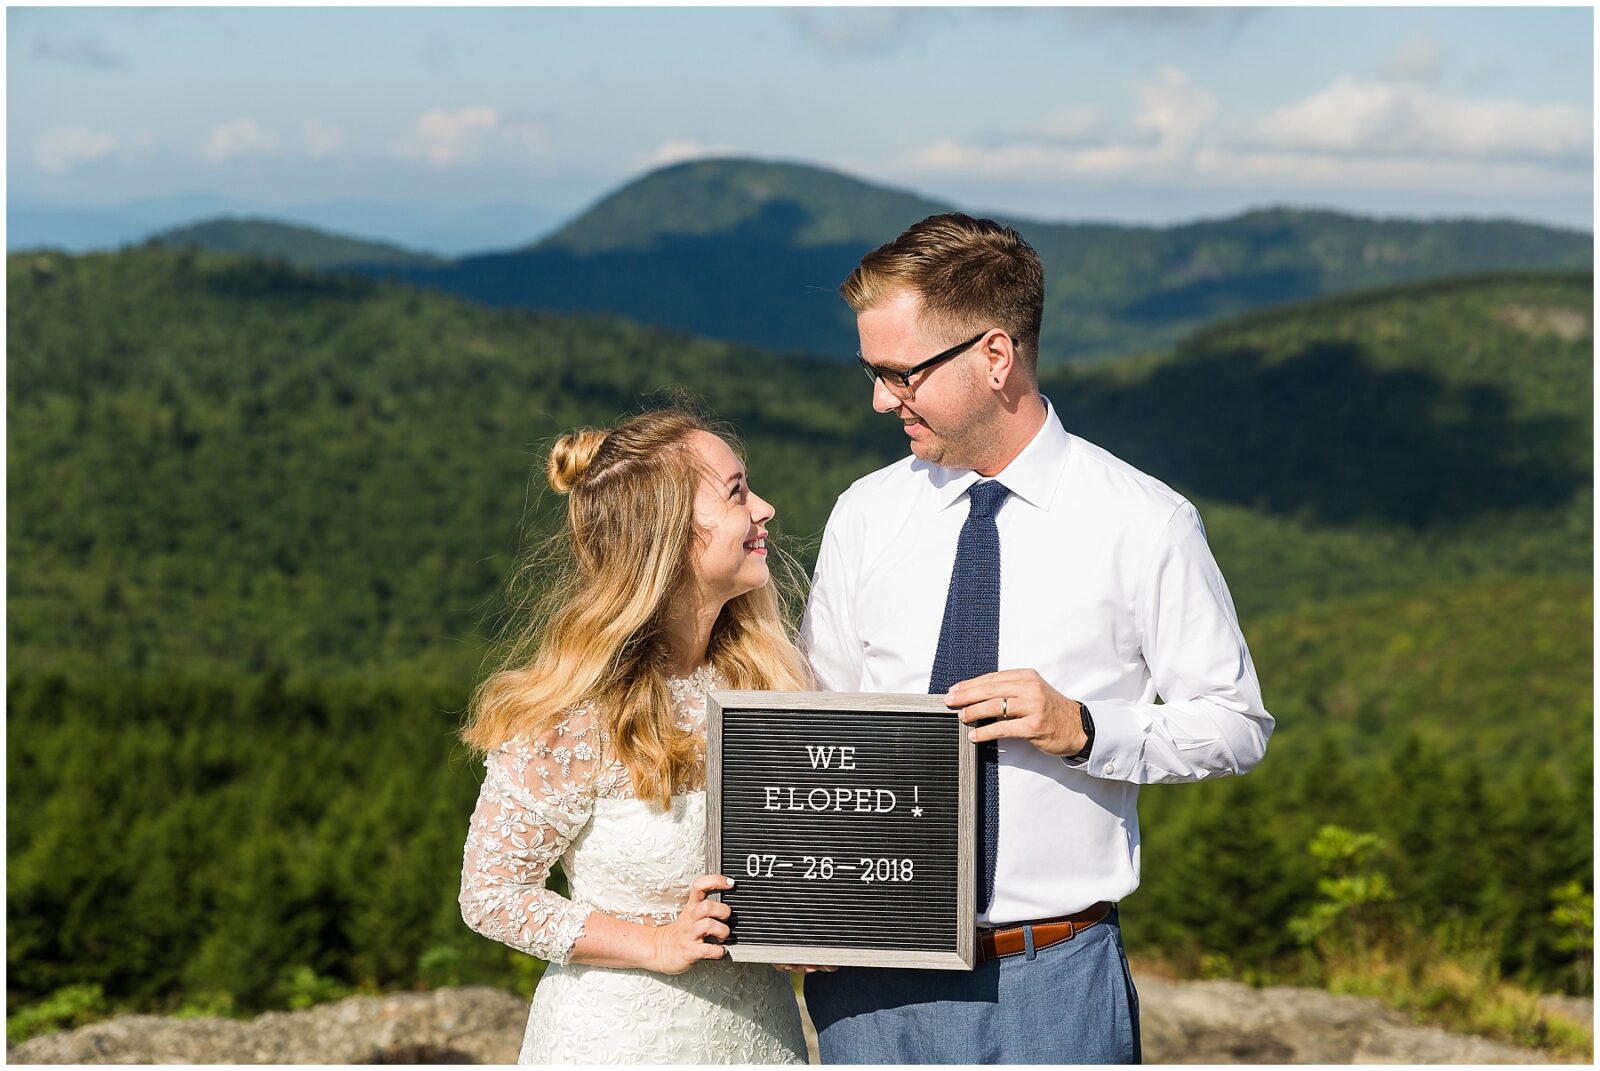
{"x": 597, "y": 634}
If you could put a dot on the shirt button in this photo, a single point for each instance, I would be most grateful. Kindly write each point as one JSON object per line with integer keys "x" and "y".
{"x": 1111, "y": 767}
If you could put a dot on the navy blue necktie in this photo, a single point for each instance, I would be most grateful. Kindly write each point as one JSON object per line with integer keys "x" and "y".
{"x": 969, "y": 646}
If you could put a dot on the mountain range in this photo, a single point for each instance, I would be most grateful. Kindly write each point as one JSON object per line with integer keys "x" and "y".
{"x": 753, "y": 251}
{"x": 306, "y": 247}
{"x": 245, "y": 463}
{"x": 263, "y": 527}
{"x": 432, "y": 228}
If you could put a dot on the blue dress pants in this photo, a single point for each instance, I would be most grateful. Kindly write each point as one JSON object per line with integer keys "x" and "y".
{"x": 1071, "y": 1003}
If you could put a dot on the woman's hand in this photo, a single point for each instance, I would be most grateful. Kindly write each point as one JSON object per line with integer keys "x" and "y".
{"x": 685, "y": 941}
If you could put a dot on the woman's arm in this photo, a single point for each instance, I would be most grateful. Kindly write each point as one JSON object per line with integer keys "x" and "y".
{"x": 536, "y": 797}
{"x": 669, "y": 949}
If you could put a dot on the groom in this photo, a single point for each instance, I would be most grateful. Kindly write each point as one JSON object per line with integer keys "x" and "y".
{"x": 1052, "y": 592}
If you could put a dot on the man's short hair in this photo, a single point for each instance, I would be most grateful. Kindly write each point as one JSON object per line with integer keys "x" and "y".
{"x": 970, "y": 273}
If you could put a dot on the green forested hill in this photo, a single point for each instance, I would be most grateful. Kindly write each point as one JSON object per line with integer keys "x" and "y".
{"x": 705, "y": 198}
{"x": 218, "y": 462}
{"x": 753, "y": 251}
{"x": 1443, "y": 428}
{"x": 305, "y": 247}
{"x": 1453, "y": 723}
{"x": 258, "y": 517}
{"x": 223, "y": 463}
{"x": 1446, "y": 661}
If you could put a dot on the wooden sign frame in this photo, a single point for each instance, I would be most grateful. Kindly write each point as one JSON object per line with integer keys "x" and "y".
{"x": 724, "y": 706}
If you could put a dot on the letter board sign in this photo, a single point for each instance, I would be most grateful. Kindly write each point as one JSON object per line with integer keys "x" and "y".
{"x": 846, "y": 822}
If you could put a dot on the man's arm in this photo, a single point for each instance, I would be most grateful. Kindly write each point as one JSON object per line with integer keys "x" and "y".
{"x": 827, "y": 632}
{"x": 1212, "y": 720}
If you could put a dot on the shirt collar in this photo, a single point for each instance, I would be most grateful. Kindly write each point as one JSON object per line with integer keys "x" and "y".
{"x": 1031, "y": 476}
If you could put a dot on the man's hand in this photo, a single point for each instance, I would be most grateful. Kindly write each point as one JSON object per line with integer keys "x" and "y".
{"x": 1024, "y": 707}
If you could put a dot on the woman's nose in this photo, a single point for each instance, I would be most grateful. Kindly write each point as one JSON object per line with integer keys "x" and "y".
{"x": 761, "y": 510}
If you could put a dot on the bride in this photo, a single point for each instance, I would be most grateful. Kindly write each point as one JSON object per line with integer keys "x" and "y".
{"x": 594, "y": 736}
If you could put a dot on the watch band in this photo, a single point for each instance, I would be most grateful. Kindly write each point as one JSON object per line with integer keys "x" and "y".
{"x": 1088, "y": 731}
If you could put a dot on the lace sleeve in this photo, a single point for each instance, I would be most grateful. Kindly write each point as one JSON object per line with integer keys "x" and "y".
{"x": 536, "y": 797}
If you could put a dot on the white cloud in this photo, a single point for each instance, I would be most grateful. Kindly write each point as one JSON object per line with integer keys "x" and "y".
{"x": 238, "y": 137}
{"x": 1075, "y": 124}
{"x": 466, "y": 135}
{"x": 82, "y": 52}
{"x": 1485, "y": 72}
{"x": 1299, "y": 170}
{"x": 1173, "y": 114}
{"x": 436, "y": 51}
{"x": 1356, "y": 132}
{"x": 136, "y": 146}
{"x": 855, "y": 30}
{"x": 523, "y": 135}
{"x": 61, "y": 150}
{"x": 1416, "y": 59}
{"x": 1362, "y": 116}
{"x": 322, "y": 139}
{"x": 677, "y": 150}
{"x": 1144, "y": 20}
{"x": 1174, "y": 109}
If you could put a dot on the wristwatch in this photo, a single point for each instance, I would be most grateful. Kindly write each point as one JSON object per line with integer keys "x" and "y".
{"x": 1088, "y": 731}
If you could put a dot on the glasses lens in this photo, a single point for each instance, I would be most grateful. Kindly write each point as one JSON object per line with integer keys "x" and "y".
{"x": 890, "y": 380}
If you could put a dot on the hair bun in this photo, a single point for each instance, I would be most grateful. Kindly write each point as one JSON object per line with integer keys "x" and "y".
{"x": 571, "y": 455}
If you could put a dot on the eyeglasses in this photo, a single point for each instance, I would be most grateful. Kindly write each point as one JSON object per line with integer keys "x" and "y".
{"x": 898, "y": 381}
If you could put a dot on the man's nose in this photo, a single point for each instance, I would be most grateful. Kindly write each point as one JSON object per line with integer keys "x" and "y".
{"x": 883, "y": 400}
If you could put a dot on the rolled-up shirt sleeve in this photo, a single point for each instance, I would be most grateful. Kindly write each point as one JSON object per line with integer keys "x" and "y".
{"x": 827, "y": 631}
{"x": 1211, "y": 720}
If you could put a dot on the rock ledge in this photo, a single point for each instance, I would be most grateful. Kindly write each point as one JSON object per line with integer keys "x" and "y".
{"x": 1183, "y": 1022}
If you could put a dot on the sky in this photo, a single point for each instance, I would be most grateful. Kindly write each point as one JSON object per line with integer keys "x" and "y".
{"x": 508, "y": 120}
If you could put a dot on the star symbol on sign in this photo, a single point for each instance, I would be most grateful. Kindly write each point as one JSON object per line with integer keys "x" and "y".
{"x": 916, "y": 812}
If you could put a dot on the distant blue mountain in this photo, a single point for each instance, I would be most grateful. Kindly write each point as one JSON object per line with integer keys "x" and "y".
{"x": 305, "y": 247}
{"x": 752, "y": 251}
{"x": 448, "y": 230}
{"x": 35, "y": 224}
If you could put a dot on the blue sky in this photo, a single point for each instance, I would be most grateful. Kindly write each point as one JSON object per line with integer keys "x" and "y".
{"x": 1146, "y": 115}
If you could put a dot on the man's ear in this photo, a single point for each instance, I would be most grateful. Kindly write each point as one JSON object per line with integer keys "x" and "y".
{"x": 1000, "y": 353}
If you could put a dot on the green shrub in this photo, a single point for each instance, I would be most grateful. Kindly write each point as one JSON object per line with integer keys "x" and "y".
{"x": 69, "y": 1006}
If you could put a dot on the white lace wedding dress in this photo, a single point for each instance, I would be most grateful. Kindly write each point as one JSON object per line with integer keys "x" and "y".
{"x": 563, "y": 797}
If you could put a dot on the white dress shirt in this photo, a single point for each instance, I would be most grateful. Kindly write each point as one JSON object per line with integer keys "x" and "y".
{"x": 1108, "y": 590}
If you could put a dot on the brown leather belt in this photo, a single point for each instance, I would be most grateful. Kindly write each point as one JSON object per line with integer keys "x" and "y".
{"x": 1011, "y": 941}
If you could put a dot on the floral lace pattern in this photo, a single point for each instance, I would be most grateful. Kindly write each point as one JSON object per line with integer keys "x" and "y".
{"x": 563, "y": 798}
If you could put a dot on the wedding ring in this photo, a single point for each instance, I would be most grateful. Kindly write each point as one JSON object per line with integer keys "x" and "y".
{"x": 1005, "y": 706}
